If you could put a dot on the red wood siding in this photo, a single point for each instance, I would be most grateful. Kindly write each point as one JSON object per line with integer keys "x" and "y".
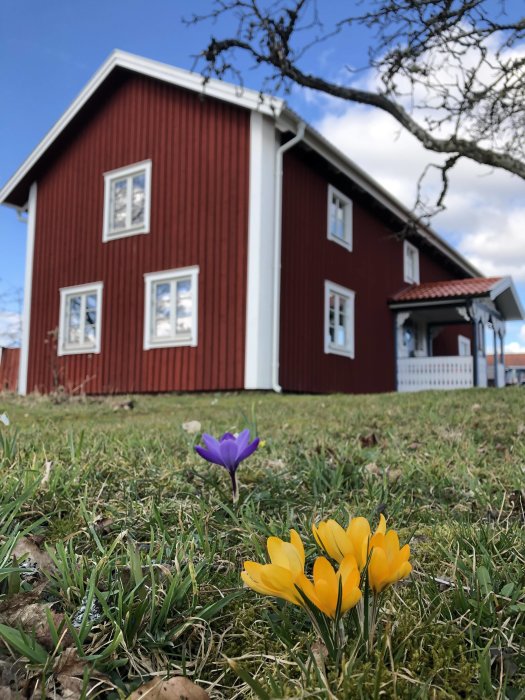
{"x": 446, "y": 343}
{"x": 9, "y": 361}
{"x": 199, "y": 150}
{"x": 373, "y": 270}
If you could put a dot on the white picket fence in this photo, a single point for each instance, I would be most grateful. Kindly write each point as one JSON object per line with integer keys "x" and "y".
{"x": 420, "y": 373}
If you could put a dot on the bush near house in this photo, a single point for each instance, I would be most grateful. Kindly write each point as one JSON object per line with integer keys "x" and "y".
{"x": 121, "y": 550}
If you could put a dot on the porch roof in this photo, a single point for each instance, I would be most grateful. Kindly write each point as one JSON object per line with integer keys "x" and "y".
{"x": 500, "y": 290}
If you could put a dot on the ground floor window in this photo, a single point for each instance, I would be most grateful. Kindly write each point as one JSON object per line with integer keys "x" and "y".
{"x": 80, "y": 319}
{"x": 171, "y": 308}
{"x": 339, "y": 320}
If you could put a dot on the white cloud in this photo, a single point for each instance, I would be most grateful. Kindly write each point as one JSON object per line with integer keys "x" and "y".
{"x": 10, "y": 328}
{"x": 514, "y": 347}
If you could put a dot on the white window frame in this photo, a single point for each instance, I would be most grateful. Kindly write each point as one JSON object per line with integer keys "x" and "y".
{"x": 330, "y": 347}
{"x": 464, "y": 343}
{"x": 409, "y": 249}
{"x": 108, "y": 234}
{"x": 150, "y": 278}
{"x": 347, "y": 241}
{"x": 82, "y": 290}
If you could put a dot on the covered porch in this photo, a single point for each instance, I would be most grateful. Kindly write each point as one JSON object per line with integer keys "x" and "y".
{"x": 442, "y": 332}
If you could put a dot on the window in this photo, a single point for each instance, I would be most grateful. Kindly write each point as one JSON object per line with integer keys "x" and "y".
{"x": 411, "y": 263}
{"x": 339, "y": 320}
{"x": 127, "y": 194}
{"x": 171, "y": 308}
{"x": 339, "y": 218}
{"x": 80, "y": 319}
{"x": 463, "y": 346}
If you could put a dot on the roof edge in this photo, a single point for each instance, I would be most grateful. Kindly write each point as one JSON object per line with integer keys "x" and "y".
{"x": 227, "y": 92}
{"x": 506, "y": 284}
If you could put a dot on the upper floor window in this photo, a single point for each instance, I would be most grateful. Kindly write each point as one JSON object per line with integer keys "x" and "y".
{"x": 339, "y": 218}
{"x": 127, "y": 194}
{"x": 410, "y": 263}
{"x": 171, "y": 308}
{"x": 80, "y": 319}
{"x": 339, "y": 320}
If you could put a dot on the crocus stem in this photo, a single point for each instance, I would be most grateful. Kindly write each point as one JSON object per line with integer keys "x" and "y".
{"x": 235, "y": 492}
{"x": 373, "y": 621}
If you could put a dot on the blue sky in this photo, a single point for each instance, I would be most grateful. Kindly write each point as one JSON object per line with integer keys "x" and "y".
{"x": 49, "y": 50}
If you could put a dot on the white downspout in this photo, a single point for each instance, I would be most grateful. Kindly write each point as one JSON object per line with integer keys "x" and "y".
{"x": 28, "y": 283}
{"x": 277, "y": 251}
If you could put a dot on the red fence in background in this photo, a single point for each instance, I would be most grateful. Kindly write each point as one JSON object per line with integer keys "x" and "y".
{"x": 9, "y": 361}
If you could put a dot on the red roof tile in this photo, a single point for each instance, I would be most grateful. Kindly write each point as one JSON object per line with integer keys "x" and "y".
{"x": 450, "y": 289}
{"x": 512, "y": 359}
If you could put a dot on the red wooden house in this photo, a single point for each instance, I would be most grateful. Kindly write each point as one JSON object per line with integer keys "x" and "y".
{"x": 187, "y": 237}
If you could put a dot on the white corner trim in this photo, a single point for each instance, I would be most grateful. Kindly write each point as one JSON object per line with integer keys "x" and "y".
{"x": 121, "y": 173}
{"x": 169, "y": 276}
{"x": 329, "y": 347}
{"x": 242, "y": 97}
{"x": 28, "y": 284}
{"x": 80, "y": 289}
{"x": 347, "y": 241}
{"x": 260, "y": 268}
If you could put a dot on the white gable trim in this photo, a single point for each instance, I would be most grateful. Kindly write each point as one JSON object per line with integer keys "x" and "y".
{"x": 28, "y": 284}
{"x": 242, "y": 97}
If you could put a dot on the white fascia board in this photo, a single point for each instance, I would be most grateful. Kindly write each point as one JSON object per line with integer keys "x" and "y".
{"x": 507, "y": 285}
{"x": 238, "y": 95}
{"x": 261, "y": 236}
{"x": 28, "y": 284}
{"x": 242, "y": 97}
{"x": 288, "y": 120}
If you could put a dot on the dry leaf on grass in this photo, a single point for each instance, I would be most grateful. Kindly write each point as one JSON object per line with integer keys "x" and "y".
{"x": 103, "y": 525}
{"x": 27, "y": 550}
{"x": 67, "y": 681}
{"x": 372, "y": 469}
{"x": 393, "y": 475}
{"x": 192, "y": 427}
{"x": 179, "y": 688}
{"x": 369, "y": 440}
{"x": 28, "y": 612}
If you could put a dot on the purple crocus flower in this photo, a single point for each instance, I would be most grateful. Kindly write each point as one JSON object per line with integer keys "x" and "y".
{"x": 228, "y": 451}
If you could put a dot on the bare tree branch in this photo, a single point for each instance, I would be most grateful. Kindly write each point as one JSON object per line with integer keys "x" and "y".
{"x": 451, "y": 72}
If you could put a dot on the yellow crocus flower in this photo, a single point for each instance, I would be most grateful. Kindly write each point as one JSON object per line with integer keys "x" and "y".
{"x": 324, "y": 591}
{"x": 281, "y": 576}
{"x": 388, "y": 563}
{"x": 337, "y": 543}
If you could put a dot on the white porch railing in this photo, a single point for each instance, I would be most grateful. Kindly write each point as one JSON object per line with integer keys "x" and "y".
{"x": 420, "y": 373}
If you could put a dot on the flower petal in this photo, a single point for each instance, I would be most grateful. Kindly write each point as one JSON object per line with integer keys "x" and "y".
{"x": 227, "y": 436}
{"x": 285, "y": 555}
{"x": 228, "y": 452}
{"x": 243, "y": 439}
{"x": 297, "y": 542}
{"x": 248, "y": 450}
{"x": 209, "y": 455}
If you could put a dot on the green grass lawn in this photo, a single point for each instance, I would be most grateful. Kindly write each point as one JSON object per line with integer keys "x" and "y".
{"x": 140, "y": 548}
